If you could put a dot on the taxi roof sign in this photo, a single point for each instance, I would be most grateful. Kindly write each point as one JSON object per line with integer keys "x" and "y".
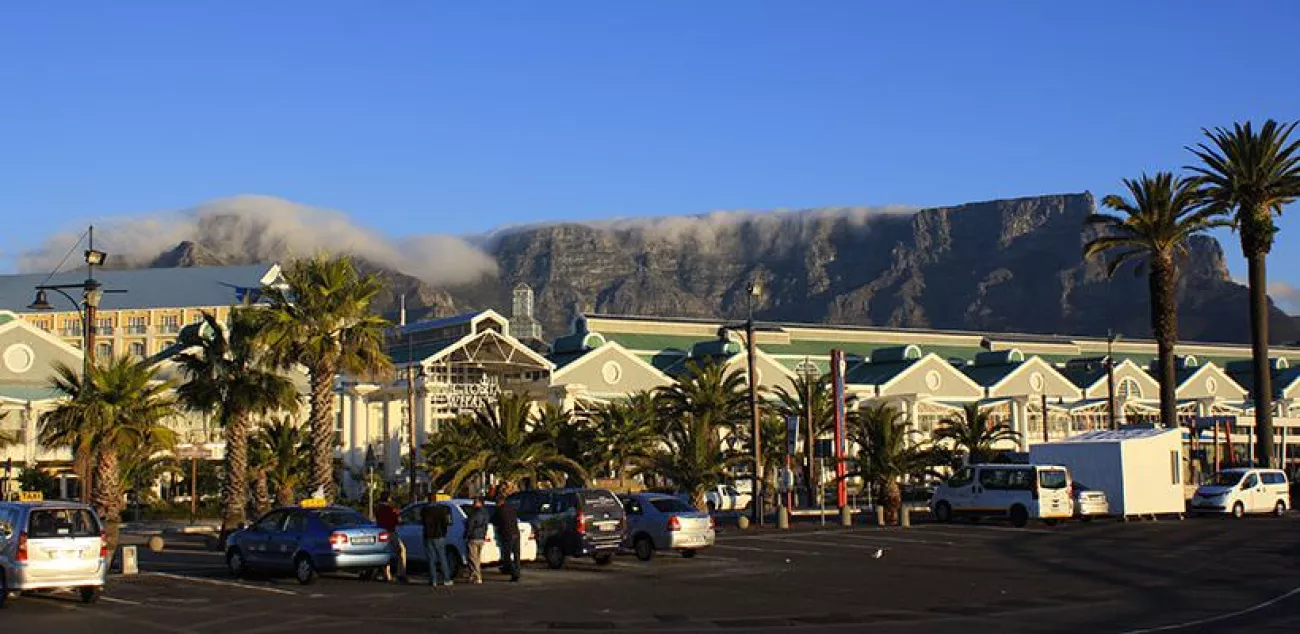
{"x": 314, "y": 503}
{"x": 31, "y": 496}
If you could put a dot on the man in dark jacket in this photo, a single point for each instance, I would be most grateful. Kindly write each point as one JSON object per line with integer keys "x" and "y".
{"x": 507, "y": 525}
{"x": 475, "y": 536}
{"x": 436, "y": 519}
{"x": 387, "y": 517}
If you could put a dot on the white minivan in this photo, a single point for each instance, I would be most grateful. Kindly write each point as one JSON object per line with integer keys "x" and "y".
{"x": 1242, "y": 491}
{"x": 1016, "y": 491}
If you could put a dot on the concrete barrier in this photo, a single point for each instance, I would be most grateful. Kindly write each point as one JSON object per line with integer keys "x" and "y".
{"x": 157, "y": 543}
{"x": 905, "y": 517}
{"x": 130, "y": 561}
{"x": 742, "y": 522}
{"x": 783, "y": 518}
{"x": 846, "y": 516}
{"x": 880, "y": 515}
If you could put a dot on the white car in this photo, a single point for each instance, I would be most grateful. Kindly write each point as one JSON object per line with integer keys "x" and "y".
{"x": 1018, "y": 492}
{"x": 1241, "y": 491}
{"x": 411, "y": 532}
{"x": 725, "y": 497}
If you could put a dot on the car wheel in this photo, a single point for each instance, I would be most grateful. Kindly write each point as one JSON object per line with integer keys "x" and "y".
{"x": 89, "y": 595}
{"x": 1280, "y": 509}
{"x": 4, "y": 589}
{"x": 1019, "y": 516}
{"x": 604, "y": 560}
{"x": 943, "y": 512}
{"x": 554, "y": 556}
{"x": 689, "y": 554}
{"x": 236, "y": 564}
{"x": 1238, "y": 511}
{"x": 453, "y": 562}
{"x": 644, "y": 547}
{"x": 304, "y": 571}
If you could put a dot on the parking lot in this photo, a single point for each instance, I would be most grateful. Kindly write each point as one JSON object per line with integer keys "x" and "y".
{"x": 1194, "y": 575}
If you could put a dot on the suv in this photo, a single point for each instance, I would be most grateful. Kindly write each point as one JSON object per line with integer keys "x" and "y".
{"x": 573, "y": 522}
{"x": 49, "y": 545}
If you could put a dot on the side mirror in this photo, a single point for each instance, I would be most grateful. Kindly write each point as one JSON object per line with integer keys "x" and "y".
{"x": 242, "y": 526}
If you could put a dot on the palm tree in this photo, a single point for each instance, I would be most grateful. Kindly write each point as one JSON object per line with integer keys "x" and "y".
{"x": 285, "y": 454}
{"x": 706, "y": 390}
{"x": 499, "y": 442}
{"x": 812, "y": 394}
{"x": 227, "y": 374}
{"x": 622, "y": 434}
{"x": 320, "y": 318}
{"x": 119, "y": 407}
{"x": 260, "y": 461}
{"x": 571, "y": 435}
{"x": 887, "y": 452}
{"x": 7, "y": 438}
{"x": 1250, "y": 176}
{"x": 692, "y": 456}
{"x": 1165, "y": 211}
{"x": 975, "y": 433}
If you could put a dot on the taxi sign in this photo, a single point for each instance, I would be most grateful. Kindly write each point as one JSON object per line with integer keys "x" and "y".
{"x": 314, "y": 503}
{"x": 441, "y": 497}
{"x": 30, "y": 496}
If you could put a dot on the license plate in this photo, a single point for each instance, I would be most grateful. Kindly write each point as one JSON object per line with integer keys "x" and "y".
{"x": 67, "y": 554}
{"x": 363, "y": 540}
{"x": 606, "y": 526}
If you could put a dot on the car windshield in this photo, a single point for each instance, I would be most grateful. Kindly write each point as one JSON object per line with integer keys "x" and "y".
{"x": 1052, "y": 479}
{"x": 1226, "y": 478}
{"x": 672, "y": 505}
{"x": 342, "y": 518}
{"x": 46, "y": 523}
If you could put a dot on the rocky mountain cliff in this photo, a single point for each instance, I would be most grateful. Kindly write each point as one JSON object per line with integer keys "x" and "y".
{"x": 1007, "y": 265}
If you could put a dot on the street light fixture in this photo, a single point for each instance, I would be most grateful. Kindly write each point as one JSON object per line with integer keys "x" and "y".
{"x": 92, "y": 292}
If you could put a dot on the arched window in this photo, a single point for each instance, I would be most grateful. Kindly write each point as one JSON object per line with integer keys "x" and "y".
{"x": 1129, "y": 389}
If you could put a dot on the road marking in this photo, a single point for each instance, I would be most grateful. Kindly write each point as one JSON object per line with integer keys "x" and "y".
{"x": 217, "y": 582}
{"x": 122, "y": 601}
{"x": 883, "y": 538}
{"x": 1222, "y": 617}
{"x": 1007, "y": 529}
{"x": 771, "y": 550}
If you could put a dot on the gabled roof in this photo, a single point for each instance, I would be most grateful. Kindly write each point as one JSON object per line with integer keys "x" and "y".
{"x": 182, "y": 287}
{"x": 867, "y": 373}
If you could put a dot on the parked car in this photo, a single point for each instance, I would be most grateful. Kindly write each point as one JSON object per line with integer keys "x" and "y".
{"x": 308, "y": 541}
{"x": 1089, "y": 502}
{"x": 51, "y": 545}
{"x": 725, "y": 497}
{"x": 1018, "y": 492}
{"x": 662, "y": 522}
{"x": 1241, "y": 491}
{"x": 573, "y": 523}
{"x": 411, "y": 532}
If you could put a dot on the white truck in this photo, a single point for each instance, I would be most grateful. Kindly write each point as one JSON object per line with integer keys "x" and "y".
{"x": 725, "y": 497}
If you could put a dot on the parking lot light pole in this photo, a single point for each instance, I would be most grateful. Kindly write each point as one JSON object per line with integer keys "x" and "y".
{"x": 753, "y": 407}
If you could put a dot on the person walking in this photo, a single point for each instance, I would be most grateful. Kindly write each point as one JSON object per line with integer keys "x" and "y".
{"x": 507, "y": 525}
{"x": 436, "y": 519}
{"x": 387, "y": 517}
{"x": 475, "y": 535}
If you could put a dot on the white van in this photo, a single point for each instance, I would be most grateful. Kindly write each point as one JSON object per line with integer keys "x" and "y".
{"x": 1242, "y": 491}
{"x": 1018, "y": 492}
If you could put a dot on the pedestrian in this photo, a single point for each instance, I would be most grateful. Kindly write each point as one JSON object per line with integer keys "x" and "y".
{"x": 507, "y": 524}
{"x": 386, "y": 516}
{"x": 436, "y": 519}
{"x": 475, "y": 536}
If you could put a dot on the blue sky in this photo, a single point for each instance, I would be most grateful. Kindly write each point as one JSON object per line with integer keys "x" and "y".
{"x": 427, "y": 116}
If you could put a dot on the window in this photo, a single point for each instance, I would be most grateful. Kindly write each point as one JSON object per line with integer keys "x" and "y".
{"x": 104, "y": 326}
{"x": 137, "y": 348}
{"x": 1273, "y": 477}
{"x": 1175, "y": 468}
{"x": 47, "y": 523}
{"x": 171, "y": 324}
{"x": 271, "y": 522}
{"x": 962, "y": 478}
{"x": 672, "y": 505}
{"x": 136, "y": 325}
{"x": 1129, "y": 389}
{"x": 410, "y": 515}
{"x": 1251, "y": 482}
{"x": 633, "y": 506}
{"x": 1007, "y": 479}
{"x": 1054, "y": 479}
{"x": 297, "y": 523}
{"x": 104, "y": 350}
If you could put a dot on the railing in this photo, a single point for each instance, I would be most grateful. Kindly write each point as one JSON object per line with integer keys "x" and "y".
{"x": 169, "y": 329}
{"x": 103, "y": 330}
{"x": 137, "y": 329}
{"x": 70, "y": 332}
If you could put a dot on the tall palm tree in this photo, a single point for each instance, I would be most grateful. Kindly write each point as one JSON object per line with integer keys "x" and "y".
{"x": 692, "y": 456}
{"x": 260, "y": 461}
{"x": 228, "y": 374}
{"x": 707, "y": 390}
{"x": 570, "y": 434}
{"x": 499, "y": 442}
{"x": 118, "y": 407}
{"x": 1164, "y": 211}
{"x": 811, "y": 394}
{"x": 887, "y": 452}
{"x": 285, "y": 454}
{"x": 1250, "y": 175}
{"x": 321, "y": 318}
{"x": 621, "y": 435}
{"x": 975, "y": 433}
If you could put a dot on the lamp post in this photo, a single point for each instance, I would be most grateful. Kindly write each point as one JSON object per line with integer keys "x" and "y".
{"x": 1111, "y": 338}
{"x": 370, "y": 479}
{"x": 753, "y": 406}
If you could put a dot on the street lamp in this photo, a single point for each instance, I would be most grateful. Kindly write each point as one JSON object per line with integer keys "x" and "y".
{"x": 91, "y": 294}
{"x": 1111, "y": 338}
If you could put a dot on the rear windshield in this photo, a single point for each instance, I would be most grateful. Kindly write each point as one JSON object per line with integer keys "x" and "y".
{"x": 672, "y": 505}
{"x": 46, "y": 523}
{"x": 342, "y": 518}
{"x": 600, "y": 501}
{"x": 1052, "y": 479}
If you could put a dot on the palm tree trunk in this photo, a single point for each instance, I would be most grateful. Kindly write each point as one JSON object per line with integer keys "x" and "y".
{"x": 892, "y": 499}
{"x": 1164, "y": 323}
{"x": 234, "y": 487}
{"x": 261, "y": 493}
{"x": 107, "y": 497}
{"x": 322, "y": 431}
{"x": 284, "y": 495}
{"x": 1259, "y": 354}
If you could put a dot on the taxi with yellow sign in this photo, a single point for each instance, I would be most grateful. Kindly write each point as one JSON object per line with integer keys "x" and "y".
{"x": 51, "y": 545}
{"x": 308, "y": 539}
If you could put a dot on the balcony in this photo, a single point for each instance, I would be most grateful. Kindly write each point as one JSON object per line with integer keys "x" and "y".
{"x": 169, "y": 329}
{"x": 137, "y": 329}
{"x": 70, "y": 332}
{"x": 104, "y": 330}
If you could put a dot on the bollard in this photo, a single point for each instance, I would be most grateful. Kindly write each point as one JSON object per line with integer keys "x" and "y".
{"x": 905, "y": 517}
{"x": 156, "y": 543}
{"x": 742, "y": 522}
{"x": 880, "y": 515}
{"x": 783, "y": 518}
{"x": 846, "y": 516}
{"x": 130, "y": 561}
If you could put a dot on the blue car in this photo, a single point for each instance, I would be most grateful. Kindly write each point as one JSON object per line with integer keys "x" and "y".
{"x": 308, "y": 541}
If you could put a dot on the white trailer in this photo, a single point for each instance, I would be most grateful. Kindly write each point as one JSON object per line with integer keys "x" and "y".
{"x": 1139, "y": 468}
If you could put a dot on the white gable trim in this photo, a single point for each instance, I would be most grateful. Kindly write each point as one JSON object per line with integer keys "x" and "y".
{"x": 1219, "y": 376}
{"x": 1148, "y": 382}
{"x": 1037, "y": 362}
{"x": 528, "y": 352}
{"x": 932, "y": 358}
{"x": 615, "y": 346}
{"x": 20, "y": 324}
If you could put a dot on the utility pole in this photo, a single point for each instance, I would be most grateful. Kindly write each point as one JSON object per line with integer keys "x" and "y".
{"x": 753, "y": 408}
{"x": 1110, "y": 379}
{"x": 410, "y": 404}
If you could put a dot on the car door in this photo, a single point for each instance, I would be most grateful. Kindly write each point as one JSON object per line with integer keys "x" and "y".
{"x": 635, "y": 512}
{"x": 959, "y": 491}
{"x": 255, "y": 542}
{"x": 284, "y": 543}
{"x": 1252, "y": 493}
{"x": 990, "y": 490}
{"x": 411, "y": 532}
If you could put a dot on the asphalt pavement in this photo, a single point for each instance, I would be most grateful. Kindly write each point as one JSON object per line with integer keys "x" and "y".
{"x": 1196, "y": 575}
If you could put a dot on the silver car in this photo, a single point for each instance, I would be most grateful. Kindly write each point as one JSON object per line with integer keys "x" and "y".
{"x": 48, "y": 545}
{"x": 662, "y": 522}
